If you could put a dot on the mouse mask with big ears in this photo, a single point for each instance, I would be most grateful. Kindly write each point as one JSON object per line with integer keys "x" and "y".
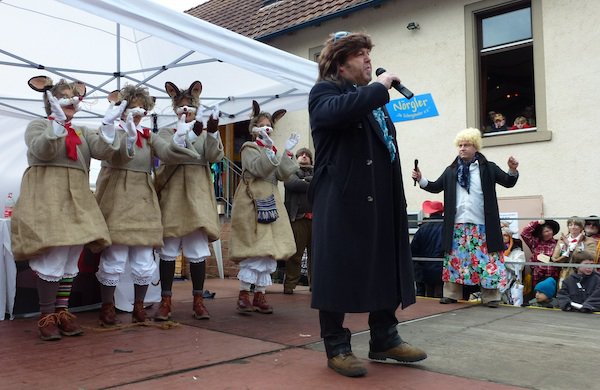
{"x": 69, "y": 95}
{"x": 257, "y": 115}
{"x": 139, "y": 101}
{"x": 185, "y": 101}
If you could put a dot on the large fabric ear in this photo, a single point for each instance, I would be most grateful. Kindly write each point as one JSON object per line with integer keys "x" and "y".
{"x": 195, "y": 89}
{"x": 79, "y": 87}
{"x": 113, "y": 97}
{"x": 171, "y": 89}
{"x": 40, "y": 83}
{"x": 255, "y": 108}
{"x": 277, "y": 115}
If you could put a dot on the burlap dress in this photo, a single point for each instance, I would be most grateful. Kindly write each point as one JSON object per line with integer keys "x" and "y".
{"x": 185, "y": 190}
{"x": 56, "y": 206}
{"x": 125, "y": 190}
{"x": 250, "y": 239}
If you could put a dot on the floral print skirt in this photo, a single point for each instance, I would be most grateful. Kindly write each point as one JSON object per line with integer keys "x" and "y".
{"x": 469, "y": 262}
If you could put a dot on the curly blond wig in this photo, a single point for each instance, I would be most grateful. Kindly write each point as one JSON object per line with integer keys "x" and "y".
{"x": 470, "y": 135}
{"x": 132, "y": 92}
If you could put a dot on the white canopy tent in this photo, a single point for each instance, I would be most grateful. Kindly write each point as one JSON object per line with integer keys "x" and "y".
{"x": 109, "y": 43}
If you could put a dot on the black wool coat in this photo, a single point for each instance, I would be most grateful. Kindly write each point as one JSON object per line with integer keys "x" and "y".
{"x": 360, "y": 251}
{"x": 490, "y": 175}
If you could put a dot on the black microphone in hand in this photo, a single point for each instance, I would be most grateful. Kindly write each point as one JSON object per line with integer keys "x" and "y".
{"x": 416, "y": 169}
{"x": 397, "y": 86}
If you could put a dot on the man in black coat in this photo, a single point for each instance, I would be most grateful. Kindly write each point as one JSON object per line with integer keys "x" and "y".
{"x": 361, "y": 253}
{"x": 472, "y": 237}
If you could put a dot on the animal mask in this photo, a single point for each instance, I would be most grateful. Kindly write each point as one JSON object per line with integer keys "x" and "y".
{"x": 257, "y": 114}
{"x": 192, "y": 94}
{"x": 45, "y": 83}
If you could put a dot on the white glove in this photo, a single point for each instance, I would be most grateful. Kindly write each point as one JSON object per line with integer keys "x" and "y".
{"x": 265, "y": 139}
{"x": 292, "y": 142}
{"x": 130, "y": 128}
{"x": 55, "y": 108}
{"x": 182, "y": 129}
{"x": 114, "y": 112}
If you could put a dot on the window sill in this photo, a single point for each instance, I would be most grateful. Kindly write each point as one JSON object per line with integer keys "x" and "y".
{"x": 513, "y": 137}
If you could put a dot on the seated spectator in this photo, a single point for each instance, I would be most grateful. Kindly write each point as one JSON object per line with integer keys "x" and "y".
{"x": 539, "y": 237}
{"x": 513, "y": 258}
{"x": 499, "y": 123}
{"x": 520, "y": 123}
{"x": 568, "y": 245}
{"x": 545, "y": 292}
{"x": 581, "y": 291}
{"x": 427, "y": 242}
{"x": 592, "y": 227}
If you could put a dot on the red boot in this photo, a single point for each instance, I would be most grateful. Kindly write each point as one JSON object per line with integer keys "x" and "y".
{"x": 164, "y": 310}
{"x": 243, "y": 304}
{"x": 47, "y": 326}
{"x": 200, "y": 311}
{"x": 67, "y": 323}
{"x": 108, "y": 316}
{"x": 139, "y": 313}
{"x": 260, "y": 303}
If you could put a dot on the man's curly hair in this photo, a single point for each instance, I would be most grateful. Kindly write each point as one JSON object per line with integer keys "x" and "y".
{"x": 336, "y": 52}
{"x": 131, "y": 93}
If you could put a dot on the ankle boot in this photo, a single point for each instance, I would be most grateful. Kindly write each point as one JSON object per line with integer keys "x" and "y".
{"x": 260, "y": 303}
{"x": 108, "y": 316}
{"x": 200, "y": 311}
{"x": 243, "y": 304}
{"x": 67, "y": 323}
{"x": 47, "y": 326}
{"x": 164, "y": 310}
{"x": 139, "y": 313}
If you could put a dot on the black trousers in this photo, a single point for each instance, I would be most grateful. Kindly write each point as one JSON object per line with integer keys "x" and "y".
{"x": 382, "y": 327}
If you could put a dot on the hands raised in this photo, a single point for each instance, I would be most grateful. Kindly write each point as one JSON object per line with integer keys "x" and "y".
{"x": 55, "y": 108}
{"x": 292, "y": 142}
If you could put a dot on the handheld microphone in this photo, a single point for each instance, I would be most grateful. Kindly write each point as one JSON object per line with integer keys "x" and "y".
{"x": 397, "y": 86}
{"x": 416, "y": 168}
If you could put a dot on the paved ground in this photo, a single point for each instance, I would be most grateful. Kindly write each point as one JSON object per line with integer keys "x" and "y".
{"x": 469, "y": 347}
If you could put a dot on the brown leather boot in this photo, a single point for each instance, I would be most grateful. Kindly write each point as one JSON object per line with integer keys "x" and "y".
{"x": 260, "y": 303}
{"x": 67, "y": 323}
{"x": 47, "y": 326}
{"x": 139, "y": 313}
{"x": 164, "y": 310}
{"x": 200, "y": 312}
{"x": 108, "y": 316}
{"x": 243, "y": 304}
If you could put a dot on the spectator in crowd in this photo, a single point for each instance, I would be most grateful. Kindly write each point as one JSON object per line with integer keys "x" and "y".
{"x": 499, "y": 123}
{"x": 361, "y": 259}
{"x": 472, "y": 237}
{"x": 513, "y": 258}
{"x": 187, "y": 199}
{"x": 581, "y": 290}
{"x": 529, "y": 113}
{"x": 300, "y": 213}
{"x": 127, "y": 197}
{"x": 539, "y": 237}
{"x": 427, "y": 242}
{"x": 260, "y": 228}
{"x": 545, "y": 292}
{"x": 56, "y": 213}
{"x": 592, "y": 227}
{"x": 573, "y": 242}
{"x": 520, "y": 123}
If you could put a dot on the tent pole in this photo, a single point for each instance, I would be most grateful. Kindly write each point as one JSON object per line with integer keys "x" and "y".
{"x": 118, "y": 73}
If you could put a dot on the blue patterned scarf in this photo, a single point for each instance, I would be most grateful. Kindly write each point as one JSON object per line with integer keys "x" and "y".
{"x": 389, "y": 141}
{"x": 464, "y": 176}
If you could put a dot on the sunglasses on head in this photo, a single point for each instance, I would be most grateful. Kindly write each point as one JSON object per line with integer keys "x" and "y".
{"x": 339, "y": 35}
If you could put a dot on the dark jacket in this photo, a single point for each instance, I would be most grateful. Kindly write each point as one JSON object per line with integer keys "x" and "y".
{"x": 427, "y": 242}
{"x": 296, "y": 192}
{"x": 361, "y": 253}
{"x": 490, "y": 174}
{"x": 588, "y": 294}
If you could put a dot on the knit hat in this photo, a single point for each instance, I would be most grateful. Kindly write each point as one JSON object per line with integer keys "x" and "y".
{"x": 546, "y": 287}
{"x": 307, "y": 151}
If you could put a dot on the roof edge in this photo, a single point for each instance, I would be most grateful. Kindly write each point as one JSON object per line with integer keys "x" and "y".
{"x": 321, "y": 19}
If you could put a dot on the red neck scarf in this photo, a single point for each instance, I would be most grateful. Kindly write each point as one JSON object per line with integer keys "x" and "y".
{"x": 71, "y": 140}
{"x": 260, "y": 143}
{"x": 145, "y": 134}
